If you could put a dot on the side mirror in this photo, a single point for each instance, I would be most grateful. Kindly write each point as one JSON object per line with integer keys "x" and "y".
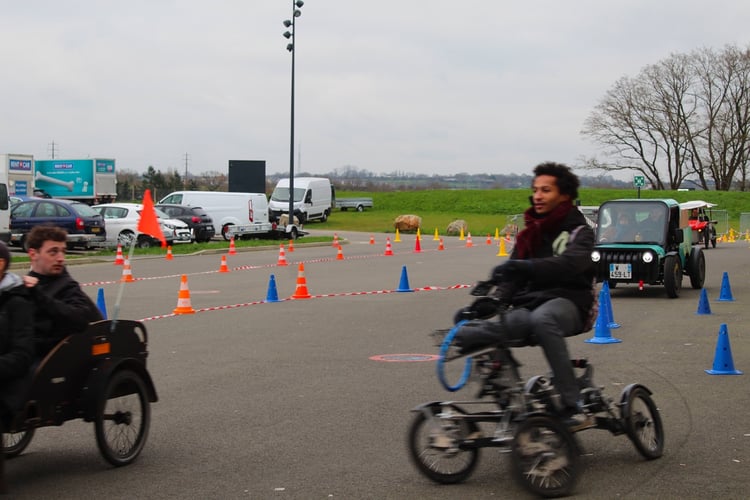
{"x": 679, "y": 236}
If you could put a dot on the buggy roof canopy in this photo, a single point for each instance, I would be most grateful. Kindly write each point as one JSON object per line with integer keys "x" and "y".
{"x": 689, "y": 205}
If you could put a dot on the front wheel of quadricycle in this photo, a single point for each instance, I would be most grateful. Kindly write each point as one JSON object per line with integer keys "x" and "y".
{"x": 672, "y": 276}
{"x": 433, "y": 447}
{"x": 643, "y": 423}
{"x": 15, "y": 442}
{"x": 545, "y": 457}
{"x": 123, "y": 418}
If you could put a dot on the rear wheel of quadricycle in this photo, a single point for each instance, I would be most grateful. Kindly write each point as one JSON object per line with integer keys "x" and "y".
{"x": 643, "y": 423}
{"x": 706, "y": 236}
{"x": 545, "y": 457}
{"x": 15, "y": 442}
{"x": 697, "y": 268}
{"x": 434, "y": 446}
{"x": 713, "y": 237}
{"x": 123, "y": 418}
{"x": 672, "y": 276}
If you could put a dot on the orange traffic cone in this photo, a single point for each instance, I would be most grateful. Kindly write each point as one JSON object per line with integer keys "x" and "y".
{"x": 468, "y": 241}
{"x": 183, "y": 298}
{"x": 127, "y": 275}
{"x": 301, "y": 291}
{"x": 340, "y": 254}
{"x": 282, "y": 256}
{"x": 388, "y": 249}
{"x": 118, "y": 258}
{"x": 335, "y": 240}
{"x": 440, "y": 245}
{"x": 223, "y": 268}
{"x": 372, "y": 240}
{"x": 232, "y": 248}
{"x": 489, "y": 240}
{"x": 291, "y": 246}
{"x": 417, "y": 245}
{"x": 169, "y": 253}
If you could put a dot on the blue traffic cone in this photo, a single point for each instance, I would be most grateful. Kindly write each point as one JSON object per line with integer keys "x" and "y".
{"x": 703, "y": 306}
{"x": 723, "y": 364}
{"x": 726, "y": 290}
{"x": 272, "y": 295}
{"x": 610, "y": 313}
{"x": 403, "y": 285}
{"x": 602, "y": 335}
{"x": 100, "y": 303}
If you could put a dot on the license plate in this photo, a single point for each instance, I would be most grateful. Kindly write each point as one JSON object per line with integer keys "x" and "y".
{"x": 620, "y": 271}
{"x": 95, "y": 229}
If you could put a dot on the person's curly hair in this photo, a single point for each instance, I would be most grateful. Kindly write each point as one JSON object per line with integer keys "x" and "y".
{"x": 567, "y": 181}
{"x": 45, "y": 232}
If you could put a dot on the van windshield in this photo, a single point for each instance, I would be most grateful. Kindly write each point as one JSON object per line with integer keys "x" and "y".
{"x": 282, "y": 194}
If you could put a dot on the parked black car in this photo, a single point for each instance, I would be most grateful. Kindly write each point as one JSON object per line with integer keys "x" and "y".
{"x": 84, "y": 225}
{"x": 201, "y": 224}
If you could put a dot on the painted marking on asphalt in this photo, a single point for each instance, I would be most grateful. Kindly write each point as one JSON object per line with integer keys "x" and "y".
{"x": 402, "y": 358}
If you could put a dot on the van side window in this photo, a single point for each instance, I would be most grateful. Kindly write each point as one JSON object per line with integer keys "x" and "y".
{"x": 308, "y": 197}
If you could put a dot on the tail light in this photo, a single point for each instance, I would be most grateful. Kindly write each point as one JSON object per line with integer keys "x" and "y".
{"x": 250, "y": 214}
{"x": 195, "y": 219}
{"x": 79, "y": 224}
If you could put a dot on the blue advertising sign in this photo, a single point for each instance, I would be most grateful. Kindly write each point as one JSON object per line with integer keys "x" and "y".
{"x": 105, "y": 166}
{"x": 20, "y": 165}
{"x": 65, "y": 178}
{"x": 20, "y": 188}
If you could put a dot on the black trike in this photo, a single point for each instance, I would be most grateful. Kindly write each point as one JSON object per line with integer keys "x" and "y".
{"x": 520, "y": 417}
{"x": 99, "y": 376}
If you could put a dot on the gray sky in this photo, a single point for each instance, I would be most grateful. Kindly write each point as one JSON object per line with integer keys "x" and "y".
{"x": 387, "y": 85}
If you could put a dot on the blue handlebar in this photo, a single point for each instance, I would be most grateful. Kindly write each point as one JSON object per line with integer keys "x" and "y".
{"x": 441, "y": 361}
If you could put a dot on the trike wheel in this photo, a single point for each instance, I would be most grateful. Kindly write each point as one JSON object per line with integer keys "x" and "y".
{"x": 545, "y": 457}
{"x": 123, "y": 418}
{"x": 643, "y": 423}
{"x": 14, "y": 443}
{"x": 434, "y": 441}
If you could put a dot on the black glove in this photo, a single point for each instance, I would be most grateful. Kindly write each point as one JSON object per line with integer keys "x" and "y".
{"x": 512, "y": 270}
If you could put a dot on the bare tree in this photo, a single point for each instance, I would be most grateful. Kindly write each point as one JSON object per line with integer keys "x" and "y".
{"x": 686, "y": 115}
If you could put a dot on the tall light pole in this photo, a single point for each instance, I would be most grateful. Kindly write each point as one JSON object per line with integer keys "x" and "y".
{"x": 291, "y": 35}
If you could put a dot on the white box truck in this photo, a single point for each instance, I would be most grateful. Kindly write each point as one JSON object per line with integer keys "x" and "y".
{"x": 313, "y": 199}
{"x": 15, "y": 179}
{"x": 234, "y": 214}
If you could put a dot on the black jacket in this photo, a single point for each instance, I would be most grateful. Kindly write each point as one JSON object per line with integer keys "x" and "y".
{"x": 561, "y": 268}
{"x": 16, "y": 338}
{"x": 61, "y": 308}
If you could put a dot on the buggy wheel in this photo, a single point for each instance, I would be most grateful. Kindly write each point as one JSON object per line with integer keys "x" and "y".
{"x": 713, "y": 236}
{"x": 643, "y": 423}
{"x": 434, "y": 440}
{"x": 672, "y": 276}
{"x": 697, "y": 267}
{"x": 706, "y": 236}
{"x": 14, "y": 443}
{"x": 545, "y": 457}
{"x": 123, "y": 418}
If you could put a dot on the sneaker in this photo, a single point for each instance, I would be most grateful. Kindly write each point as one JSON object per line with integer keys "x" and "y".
{"x": 575, "y": 420}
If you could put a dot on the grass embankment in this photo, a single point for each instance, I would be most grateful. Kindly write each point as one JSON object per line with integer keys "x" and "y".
{"x": 483, "y": 210}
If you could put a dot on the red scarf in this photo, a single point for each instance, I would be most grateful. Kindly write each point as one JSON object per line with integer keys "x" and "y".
{"x": 529, "y": 240}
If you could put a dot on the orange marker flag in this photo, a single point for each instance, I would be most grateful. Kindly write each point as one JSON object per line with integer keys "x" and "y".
{"x": 149, "y": 223}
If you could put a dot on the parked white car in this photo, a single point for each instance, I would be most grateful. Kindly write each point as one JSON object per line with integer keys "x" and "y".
{"x": 122, "y": 223}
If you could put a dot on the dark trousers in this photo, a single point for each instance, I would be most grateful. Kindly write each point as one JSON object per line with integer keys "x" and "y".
{"x": 546, "y": 326}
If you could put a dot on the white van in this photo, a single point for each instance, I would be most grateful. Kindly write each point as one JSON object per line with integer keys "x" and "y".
{"x": 313, "y": 198}
{"x": 227, "y": 209}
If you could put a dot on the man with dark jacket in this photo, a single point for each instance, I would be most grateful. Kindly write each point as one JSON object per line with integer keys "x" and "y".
{"x": 547, "y": 282}
{"x": 16, "y": 334}
{"x": 61, "y": 307}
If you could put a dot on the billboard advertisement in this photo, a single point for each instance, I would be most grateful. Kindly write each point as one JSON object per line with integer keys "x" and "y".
{"x": 65, "y": 178}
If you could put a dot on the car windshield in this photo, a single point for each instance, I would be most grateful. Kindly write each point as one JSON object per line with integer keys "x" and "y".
{"x": 632, "y": 222}
{"x": 282, "y": 194}
{"x": 85, "y": 210}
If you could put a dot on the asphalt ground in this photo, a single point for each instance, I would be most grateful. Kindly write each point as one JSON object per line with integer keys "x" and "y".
{"x": 283, "y": 400}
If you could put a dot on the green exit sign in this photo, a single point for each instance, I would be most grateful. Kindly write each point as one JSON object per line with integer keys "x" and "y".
{"x": 639, "y": 181}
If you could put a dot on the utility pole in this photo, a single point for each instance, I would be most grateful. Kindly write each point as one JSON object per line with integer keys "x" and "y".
{"x": 185, "y": 179}
{"x": 52, "y": 149}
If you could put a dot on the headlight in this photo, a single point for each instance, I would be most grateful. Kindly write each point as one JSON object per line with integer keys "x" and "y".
{"x": 647, "y": 257}
{"x": 596, "y": 256}
{"x": 168, "y": 226}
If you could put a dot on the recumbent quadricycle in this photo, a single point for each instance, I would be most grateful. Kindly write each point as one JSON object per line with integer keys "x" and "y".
{"x": 519, "y": 417}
